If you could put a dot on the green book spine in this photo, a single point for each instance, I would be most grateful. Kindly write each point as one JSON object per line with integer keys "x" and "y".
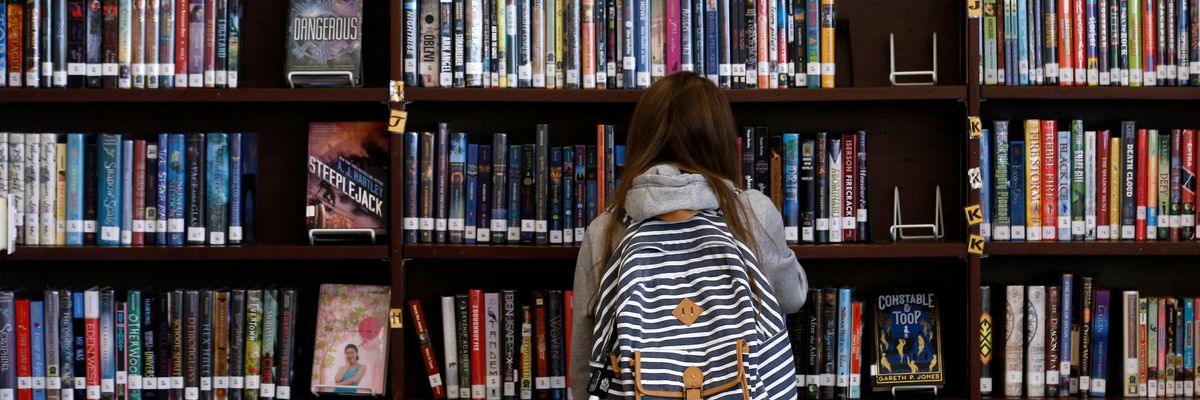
{"x": 270, "y": 331}
{"x": 1164, "y": 185}
{"x": 133, "y": 318}
{"x": 254, "y": 328}
{"x": 1135, "y": 42}
{"x": 1078, "y": 186}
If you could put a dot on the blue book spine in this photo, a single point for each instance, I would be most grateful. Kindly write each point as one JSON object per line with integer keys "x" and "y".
{"x": 712, "y": 58}
{"x": 126, "y": 192}
{"x": 1016, "y": 185}
{"x": 1000, "y": 223}
{"x": 1064, "y": 186}
{"x": 249, "y": 179}
{"x": 499, "y": 222}
{"x": 812, "y": 35}
{"x": 985, "y": 177}
{"x": 581, "y": 219}
{"x": 629, "y": 61}
{"x": 175, "y": 184}
{"x": 216, "y": 187}
{"x": 235, "y": 189}
{"x": 411, "y": 182}
{"x": 160, "y": 224}
{"x": 37, "y": 337}
{"x": 1189, "y": 337}
{"x": 618, "y": 167}
{"x": 555, "y": 193}
{"x": 642, "y": 35}
{"x": 483, "y": 232}
{"x": 109, "y": 187}
{"x": 791, "y": 187}
{"x": 1010, "y": 39}
{"x": 1023, "y": 42}
{"x": 469, "y": 228}
{"x": 108, "y": 362}
{"x": 1100, "y": 323}
{"x": 844, "y": 321}
{"x": 457, "y": 175}
{"x": 514, "y": 193}
{"x": 568, "y": 193}
{"x": 1064, "y": 336}
{"x": 3, "y": 47}
{"x": 75, "y": 196}
{"x": 590, "y": 192}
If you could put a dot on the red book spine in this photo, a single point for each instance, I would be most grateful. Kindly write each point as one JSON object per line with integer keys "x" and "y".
{"x": 181, "y": 45}
{"x": 1187, "y": 184}
{"x": 542, "y": 371}
{"x": 139, "y": 193}
{"x": 856, "y": 328}
{"x": 91, "y": 343}
{"x": 674, "y": 52}
{"x": 210, "y": 41}
{"x": 15, "y": 60}
{"x": 601, "y": 169}
{"x": 1065, "y": 44}
{"x": 1080, "y": 38}
{"x": 568, "y": 311}
{"x": 1176, "y": 207}
{"x": 478, "y": 361}
{"x": 1140, "y": 181}
{"x": 24, "y": 354}
{"x": 431, "y": 365}
{"x": 761, "y": 30}
{"x": 850, "y": 201}
{"x": 1102, "y": 165}
{"x": 1049, "y": 131}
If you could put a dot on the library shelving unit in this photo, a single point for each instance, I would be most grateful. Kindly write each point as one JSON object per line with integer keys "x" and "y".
{"x": 280, "y": 255}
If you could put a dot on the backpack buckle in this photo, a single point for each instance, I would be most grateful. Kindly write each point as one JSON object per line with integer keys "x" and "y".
{"x": 693, "y": 384}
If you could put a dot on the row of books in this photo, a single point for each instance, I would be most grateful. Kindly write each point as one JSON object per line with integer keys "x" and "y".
{"x": 1062, "y": 182}
{"x": 597, "y": 44}
{"x": 120, "y": 43}
{"x": 1158, "y": 348}
{"x": 1056, "y": 339}
{"x": 824, "y": 184}
{"x": 499, "y": 345}
{"x": 113, "y": 190}
{"x": 826, "y": 337}
{"x": 195, "y": 344}
{"x": 502, "y": 193}
{"x": 1091, "y": 42}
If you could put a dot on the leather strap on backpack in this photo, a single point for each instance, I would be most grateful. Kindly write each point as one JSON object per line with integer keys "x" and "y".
{"x": 693, "y": 380}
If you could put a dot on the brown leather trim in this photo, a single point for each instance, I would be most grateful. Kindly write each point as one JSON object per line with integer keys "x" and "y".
{"x": 739, "y": 380}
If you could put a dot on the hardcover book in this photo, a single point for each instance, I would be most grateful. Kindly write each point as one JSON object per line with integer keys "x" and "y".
{"x": 909, "y": 342}
{"x": 347, "y": 176}
{"x": 350, "y": 354}
{"x": 324, "y": 43}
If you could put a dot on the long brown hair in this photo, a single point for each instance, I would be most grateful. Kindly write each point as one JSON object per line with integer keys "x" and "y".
{"x": 682, "y": 120}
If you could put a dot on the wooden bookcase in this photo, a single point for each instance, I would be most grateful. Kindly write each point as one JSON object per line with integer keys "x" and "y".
{"x": 917, "y": 142}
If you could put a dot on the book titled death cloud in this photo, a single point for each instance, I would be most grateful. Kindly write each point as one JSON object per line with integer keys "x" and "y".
{"x": 324, "y": 43}
{"x": 347, "y": 176}
{"x": 909, "y": 348}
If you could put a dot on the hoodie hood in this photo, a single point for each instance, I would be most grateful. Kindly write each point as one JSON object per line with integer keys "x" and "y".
{"x": 663, "y": 189}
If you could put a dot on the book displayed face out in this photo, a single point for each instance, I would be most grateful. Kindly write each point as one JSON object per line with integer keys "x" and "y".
{"x": 347, "y": 176}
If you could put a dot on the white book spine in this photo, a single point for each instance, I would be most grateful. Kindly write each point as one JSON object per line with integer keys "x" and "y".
{"x": 450, "y": 347}
{"x": 16, "y": 183}
{"x": 1014, "y": 341}
{"x": 1089, "y": 169}
{"x": 33, "y": 191}
{"x": 491, "y": 328}
{"x": 1035, "y": 338}
{"x": 1130, "y": 347}
{"x": 48, "y": 177}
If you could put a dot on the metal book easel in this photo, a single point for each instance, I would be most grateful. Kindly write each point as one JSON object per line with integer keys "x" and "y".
{"x": 320, "y": 74}
{"x": 893, "y": 75}
{"x": 357, "y": 390}
{"x": 340, "y": 236}
{"x": 898, "y": 225}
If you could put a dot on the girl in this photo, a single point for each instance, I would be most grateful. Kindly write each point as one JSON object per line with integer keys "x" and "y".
{"x": 681, "y": 157}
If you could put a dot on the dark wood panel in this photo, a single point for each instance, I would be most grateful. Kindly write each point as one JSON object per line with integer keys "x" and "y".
{"x": 949, "y": 92}
{"x": 225, "y": 253}
{"x": 1189, "y": 248}
{"x": 329, "y": 95}
{"x": 824, "y": 251}
{"x": 1088, "y": 93}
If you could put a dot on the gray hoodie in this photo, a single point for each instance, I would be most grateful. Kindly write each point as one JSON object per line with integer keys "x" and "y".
{"x": 660, "y": 190}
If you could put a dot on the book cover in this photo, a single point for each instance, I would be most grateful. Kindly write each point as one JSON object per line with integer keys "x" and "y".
{"x": 901, "y": 316}
{"x": 347, "y": 176}
{"x": 324, "y": 43}
{"x": 350, "y": 354}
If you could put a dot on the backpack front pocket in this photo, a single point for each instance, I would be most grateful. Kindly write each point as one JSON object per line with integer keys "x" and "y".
{"x": 718, "y": 372}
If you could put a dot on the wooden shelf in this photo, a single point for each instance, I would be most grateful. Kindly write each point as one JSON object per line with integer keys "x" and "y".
{"x": 198, "y": 253}
{"x": 804, "y": 252}
{"x": 1087, "y": 93}
{"x": 246, "y": 95}
{"x": 945, "y": 92}
{"x": 1125, "y": 248}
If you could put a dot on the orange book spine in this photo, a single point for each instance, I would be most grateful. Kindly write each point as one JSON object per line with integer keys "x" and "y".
{"x": 600, "y": 169}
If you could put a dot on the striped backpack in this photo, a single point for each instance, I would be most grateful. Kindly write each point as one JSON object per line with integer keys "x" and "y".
{"x": 684, "y": 312}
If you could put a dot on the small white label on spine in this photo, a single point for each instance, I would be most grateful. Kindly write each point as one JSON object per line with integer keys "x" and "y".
{"x": 122, "y": 377}
{"x": 191, "y": 393}
{"x": 826, "y": 379}
{"x": 74, "y": 226}
{"x": 81, "y": 383}
{"x": 483, "y": 235}
{"x": 60, "y": 79}
{"x": 195, "y": 80}
{"x": 1014, "y": 377}
{"x": 210, "y": 78}
{"x": 285, "y": 392}
{"x": 985, "y": 385}
{"x": 426, "y": 224}
{"x": 541, "y": 383}
{"x": 235, "y": 233}
{"x": 540, "y": 226}
{"x": 135, "y": 382}
{"x": 76, "y": 69}
{"x": 267, "y": 390}
{"x": 220, "y": 382}
{"x": 411, "y": 223}
{"x": 110, "y": 233}
{"x": 139, "y": 226}
{"x": 439, "y": 224}
{"x": 107, "y": 386}
{"x": 164, "y": 383}
{"x": 176, "y": 382}
{"x": 527, "y": 225}
{"x": 252, "y": 381}
{"x": 149, "y": 383}
{"x": 175, "y": 225}
{"x": 812, "y": 379}
{"x": 138, "y": 69}
{"x": 67, "y": 394}
{"x": 232, "y": 79}
{"x": 1078, "y": 228}
{"x": 205, "y": 383}
{"x": 195, "y": 233}
{"x": 791, "y": 234}
{"x": 93, "y": 391}
{"x": 499, "y": 225}
{"x": 24, "y": 382}
{"x": 456, "y": 224}
{"x": 827, "y": 68}
{"x": 556, "y": 237}
{"x": 152, "y": 69}
{"x": 39, "y": 382}
{"x": 94, "y": 70}
{"x": 236, "y": 382}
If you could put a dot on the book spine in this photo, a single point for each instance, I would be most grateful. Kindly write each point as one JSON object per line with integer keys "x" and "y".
{"x": 75, "y": 172}
{"x": 1128, "y": 184}
{"x": 1078, "y": 181}
{"x": 528, "y": 208}
{"x": 525, "y": 382}
{"x": 166, "y": 44}
{"x": 1142, "y": 194}
{"x": 92, "y": 346}
{"x": 236, "y": 201}
{"x": 253, "y": 347}
{"x": 139, "y": 193}
{"x": 1049, "y": 179}
{"x": 93, "y": 20}
{"x": 116, "y": 51}
{"x": 237, "y": 344}
{"x": 269, "y": 362}
{"x": 219, "y": 373}
{"x": 1017, "y": 189}
{"x": 196, "y": 233}
{"x": 515, "y": 185}
{"x": 471, "y": 194}
{"x": 217, "y": 188}
{"x": 791, "y": 187}
{"x": 1001, "y": 220}
{"x": 844, "y": 322}
{"x": 149, "y": 43}
{"x": 462, "y": 341}
{"x": 478, "y": 368}
{"x": 541, "y": 183}
{"x": 52, "y": 345}
{"x": 1014, "y": 342}
{"x": 491, "y": 345}
{"x": 1189, "y": 362}
{"x": 1099, "y": 368}
{"x": 441, "y": 183}
{"x": 1162, "y": 185}
{"x": 555, "y": 185}
{"x": 1187, "y": 219}
{"x": 509, "y": 333}
{"x": 1151, "y": 179}
{"x": 1035, "y": 340}
{"x": 566, "y": 194}
{"x": 828, "y": 342}
{"x": 541, "y": 370}
{"x": 132, "y": 356}
{"x": 449, "y": 346}
{"x": 822, "y": 188}
{"x": 456, "y": 219}
{"x": 849, "y": 192}
{"x": 484, "y": 192}
{"x": 499, "y": 222}
{"x": 1033, "y": 180}
{"x": 1130, "y": 348}
{"x": 1089, "y": 195}
{"x": 834, "y": 159}
{"x": 1115, "y": 179}
{"x": 807, "y": 217}
{"x": 126, "y": 192}
{"x": 21, "y": 350}
{"x": 425, "y": 174}
{"x": 150, "y": 190}
{"x": 1065, "y": 205}
{"x": 176, "y": 182}
{"x": 37, "y": 337}
{"x": 1066, "y": 336}
{"x": 1053, "y": 342}
{"x": 1087, "y": 293}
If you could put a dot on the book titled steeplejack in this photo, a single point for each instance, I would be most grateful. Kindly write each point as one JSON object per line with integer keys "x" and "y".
{"x": 123, "y": 190}
{"x": 347, "y": 176}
